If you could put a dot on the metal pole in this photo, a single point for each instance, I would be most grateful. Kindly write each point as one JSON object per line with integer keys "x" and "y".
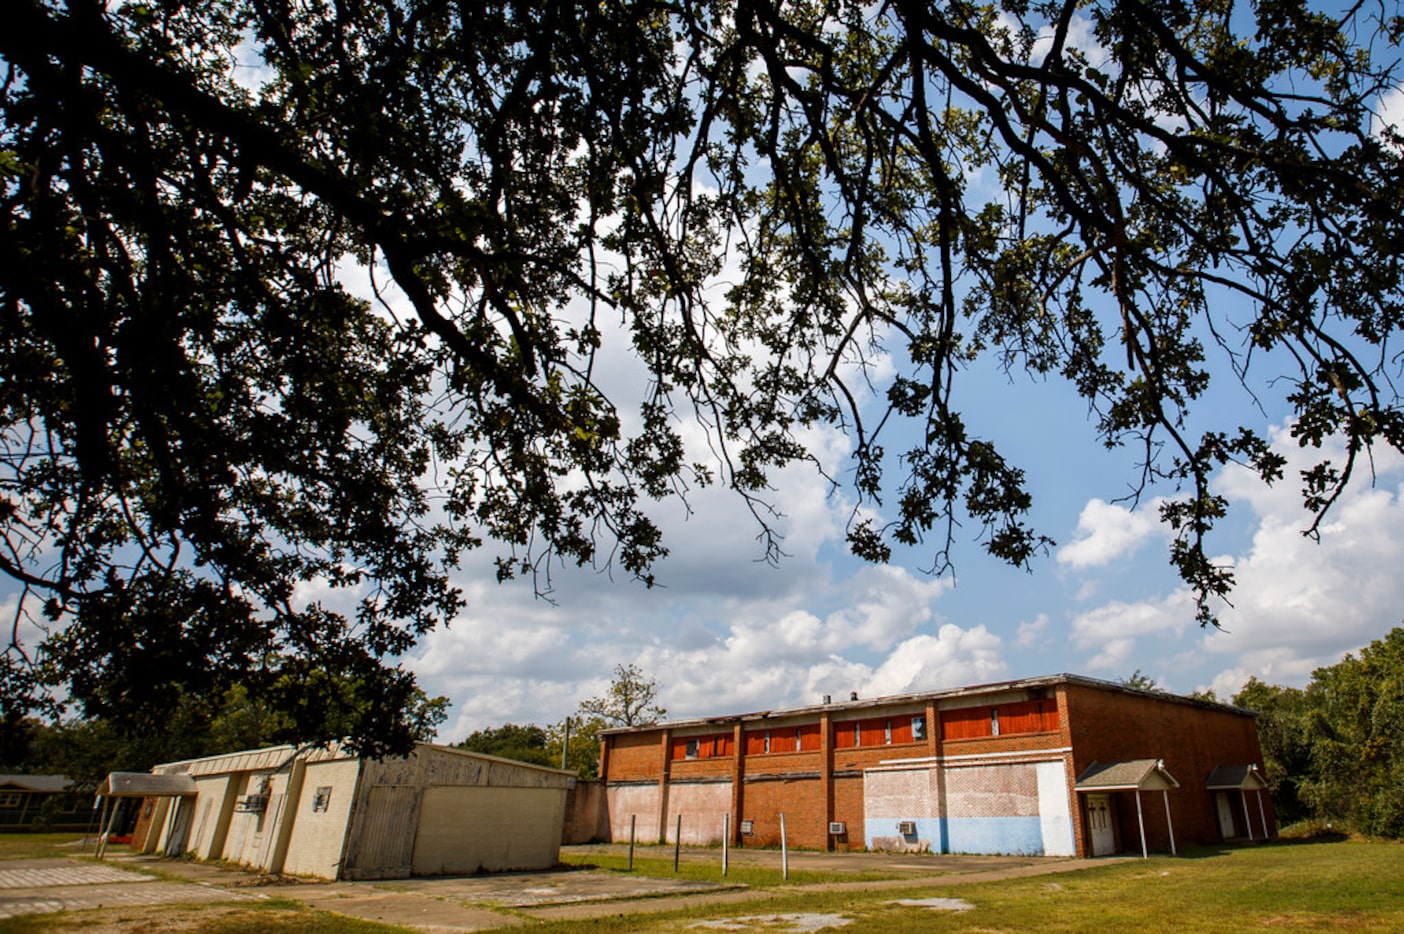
{"x": 784, "y": 851}
{"x": 677, "y": 842}
{"x": 102, "y": 825}
{"x": 633, "y": 818}
{"x": 726, "y": 837}
{"x": 1169, "y": 823}
{"x": 107, "y": 830}
{"x": 565, "y": 744}
{"x": 1140, "y": 819}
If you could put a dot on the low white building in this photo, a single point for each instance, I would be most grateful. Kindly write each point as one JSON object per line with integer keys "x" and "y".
{"x": 325, "y": 813}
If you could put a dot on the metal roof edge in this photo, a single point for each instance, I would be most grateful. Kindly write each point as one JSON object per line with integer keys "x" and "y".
{"x": 454, "y": 750}
{"x": 941, "y": 694}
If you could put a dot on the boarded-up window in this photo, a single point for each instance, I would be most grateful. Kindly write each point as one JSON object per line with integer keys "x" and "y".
{"x": 1029, "y": 717}
{"x": 883, "y": 731}
{"x": 874, "y": 732}
{"x": 902, "y": 730}
{"x": 809, "y": 737}
{"x": 702, "y": 747}
{"x": 1005, "y": 720}
{"x": 846, "y": 734}
{"x": 970, "y": 723}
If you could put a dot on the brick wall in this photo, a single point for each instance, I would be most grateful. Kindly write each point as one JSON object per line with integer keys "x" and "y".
{"x": 587, "y": 814}
{"x": 1192, "y": 739}
{"x": 633, "y": 756}
{"x": 801, "y": 800}
{"x": 1103, "y": 724}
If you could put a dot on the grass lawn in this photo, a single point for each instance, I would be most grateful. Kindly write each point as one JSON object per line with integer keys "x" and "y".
{"x": 1337, "y": 886}
{"x": 738, "y": 873}
{"x": 38, "y": 845}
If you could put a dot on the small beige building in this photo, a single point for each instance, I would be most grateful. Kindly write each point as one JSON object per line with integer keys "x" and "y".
{"x": 322, "y": 812}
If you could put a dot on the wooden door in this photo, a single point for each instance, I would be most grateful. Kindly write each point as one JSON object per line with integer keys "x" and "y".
{"x": 1099, "y": 823}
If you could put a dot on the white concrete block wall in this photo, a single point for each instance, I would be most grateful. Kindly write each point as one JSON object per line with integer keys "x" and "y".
{"x": 319, "y": 837}
{"x": 209, "y": 801}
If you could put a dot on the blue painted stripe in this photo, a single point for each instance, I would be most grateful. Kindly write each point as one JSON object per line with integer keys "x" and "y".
{"x": 993, "y": 836}
{"x": 1007, "y": 836}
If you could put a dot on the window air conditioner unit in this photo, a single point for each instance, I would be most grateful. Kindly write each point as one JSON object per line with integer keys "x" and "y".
{"x": 906, "y": 827}
{"x": 838, "y": 828}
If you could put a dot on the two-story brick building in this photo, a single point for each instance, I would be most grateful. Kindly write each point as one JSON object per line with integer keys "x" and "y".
{"x": 1057, "y": 765}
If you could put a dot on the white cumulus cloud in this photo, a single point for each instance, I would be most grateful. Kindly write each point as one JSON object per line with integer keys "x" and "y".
{"x": 1107, "y": 532}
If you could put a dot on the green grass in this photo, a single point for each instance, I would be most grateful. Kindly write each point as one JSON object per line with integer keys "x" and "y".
{"x": 38, "y": 845}
{"x": 1342, "y": 886}
{"x": 710, "y": 871}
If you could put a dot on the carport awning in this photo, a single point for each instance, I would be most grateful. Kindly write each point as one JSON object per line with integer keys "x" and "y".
{"x": 1132, "y": 775}
{"x": 144, "y": 784}
{"x": 1236, "y": 778}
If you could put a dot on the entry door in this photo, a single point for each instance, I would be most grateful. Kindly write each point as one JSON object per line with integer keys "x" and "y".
{"x": 1221, "y": 801}
{"x": 1099, "y": 822}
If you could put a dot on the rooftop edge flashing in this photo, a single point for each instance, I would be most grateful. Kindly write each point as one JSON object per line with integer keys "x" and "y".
{"x": 941, "y": 694}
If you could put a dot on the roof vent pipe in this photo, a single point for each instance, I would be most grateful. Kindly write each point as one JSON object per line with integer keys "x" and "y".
{"x": 852, "y": 695}
{"x": 828, "y": 699}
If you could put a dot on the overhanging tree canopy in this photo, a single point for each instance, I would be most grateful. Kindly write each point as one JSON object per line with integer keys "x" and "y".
{"x": 762, "y": 198}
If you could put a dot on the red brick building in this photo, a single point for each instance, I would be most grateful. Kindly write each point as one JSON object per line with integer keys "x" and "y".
{"x": 1058, "y": 765}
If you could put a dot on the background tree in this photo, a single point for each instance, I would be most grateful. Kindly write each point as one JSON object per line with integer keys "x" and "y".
{"x": 1140, "y": 680}
{"x": 527, "y": 743}
{"x": 583, "y": 757}
{"x": 1334, "y": 752}
{"x": 1357, "y": 732}
{"x": 629, "y": 700}
{"x": 197, "y": 418}
{"x": 1284, "y": 729}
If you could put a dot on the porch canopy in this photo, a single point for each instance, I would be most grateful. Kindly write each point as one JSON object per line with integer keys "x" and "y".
{"x": 1134, "y": 775}
{"x": 137, "y": 785}
{"x": 1241, "y": 778}
{"x": 145, "y": 785}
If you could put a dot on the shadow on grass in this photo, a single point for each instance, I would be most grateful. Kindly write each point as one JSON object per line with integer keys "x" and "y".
{"x": 1227, "y": 849}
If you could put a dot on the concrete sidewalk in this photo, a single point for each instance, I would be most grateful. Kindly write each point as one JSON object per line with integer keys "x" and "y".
{"x": 45, "y": 886}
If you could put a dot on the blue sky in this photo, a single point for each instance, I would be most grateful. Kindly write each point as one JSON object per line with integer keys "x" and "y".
{"x": 725, "y": 633}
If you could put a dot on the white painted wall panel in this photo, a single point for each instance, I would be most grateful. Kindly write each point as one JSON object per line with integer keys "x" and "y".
{"x": 319, "y": 837}
{"x": 1054, "y": 810}
{"x": 466, "y": 829}
{"x": 638, "y": 801}
{"x": 703, "y": 807}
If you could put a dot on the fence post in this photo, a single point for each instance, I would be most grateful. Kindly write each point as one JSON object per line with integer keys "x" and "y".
{"x": 784, "y": 851}
{"x": 677, "y": 842}
{"x": 726, "y": 838}
{"x": 633, "y": 818}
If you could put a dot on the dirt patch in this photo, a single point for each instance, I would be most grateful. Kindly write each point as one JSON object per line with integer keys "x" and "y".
{"x": 935, "y": 904}
{"x": 168, "y": 920}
